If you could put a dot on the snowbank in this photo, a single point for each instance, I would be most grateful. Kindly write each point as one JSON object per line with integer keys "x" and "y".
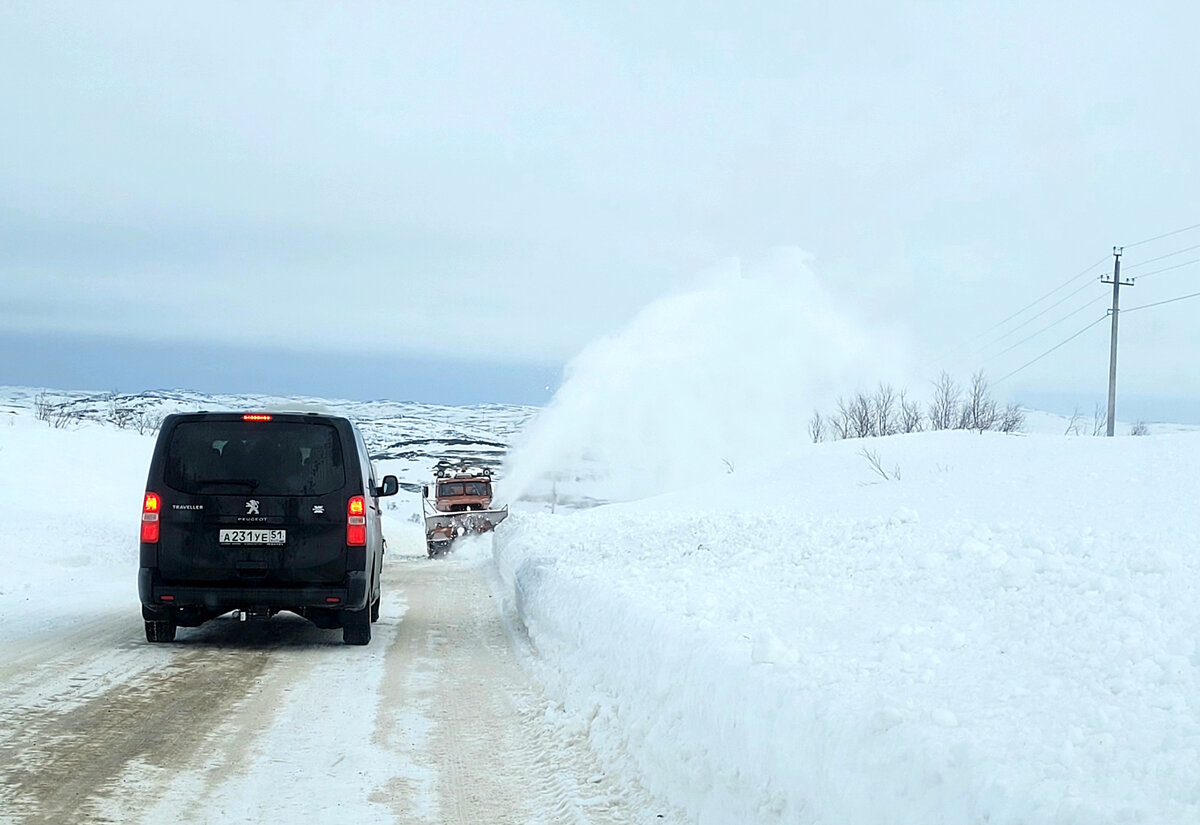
{"x": 1003, "y": 631}
{"x": 69, "y": 506}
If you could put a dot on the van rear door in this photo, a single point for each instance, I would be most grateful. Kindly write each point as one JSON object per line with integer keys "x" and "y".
{"x": 254, "y": 500}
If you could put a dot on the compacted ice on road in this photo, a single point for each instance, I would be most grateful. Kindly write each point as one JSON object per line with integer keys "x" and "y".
{"x": 278, "y": 722}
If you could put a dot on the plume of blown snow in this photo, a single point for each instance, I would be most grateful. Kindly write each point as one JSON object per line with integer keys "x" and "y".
{"x": 702, "y": 382}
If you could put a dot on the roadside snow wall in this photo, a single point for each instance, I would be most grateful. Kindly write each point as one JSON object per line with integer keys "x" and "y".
{"x": 983, "y": 641}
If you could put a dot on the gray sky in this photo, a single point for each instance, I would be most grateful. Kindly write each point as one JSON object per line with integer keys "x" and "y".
{"x": 499, "y": 183}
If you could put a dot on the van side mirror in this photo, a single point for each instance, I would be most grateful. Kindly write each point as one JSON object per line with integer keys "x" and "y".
{"x": 425, "y": 491}
{"x": 389, "y": 488}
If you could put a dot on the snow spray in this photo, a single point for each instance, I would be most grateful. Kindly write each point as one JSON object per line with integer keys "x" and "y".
{"x": 702, "y": 382}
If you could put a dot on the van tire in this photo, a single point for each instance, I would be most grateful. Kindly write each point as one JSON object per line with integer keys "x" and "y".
{"x": 160, "y": 631}
{"x": 356, "y": 626}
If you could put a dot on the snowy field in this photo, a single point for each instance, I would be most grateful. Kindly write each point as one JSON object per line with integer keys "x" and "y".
{"x": 1002, "y": 631}
{"x": 66, "y": 546}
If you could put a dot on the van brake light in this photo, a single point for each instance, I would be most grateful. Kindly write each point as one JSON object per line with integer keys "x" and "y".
{"x": 256, "y": 417}
{"x": 356, "y": 522}
{"x": 151, "y": 505}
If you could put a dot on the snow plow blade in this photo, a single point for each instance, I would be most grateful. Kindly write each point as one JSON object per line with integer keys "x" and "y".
{"x": 450, "y": 526}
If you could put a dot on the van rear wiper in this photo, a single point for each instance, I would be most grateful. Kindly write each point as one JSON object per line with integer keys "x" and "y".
{"x": 252, "y": 483}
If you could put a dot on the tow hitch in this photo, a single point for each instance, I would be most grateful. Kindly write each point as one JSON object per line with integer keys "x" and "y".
{"x": 252, "y": 613}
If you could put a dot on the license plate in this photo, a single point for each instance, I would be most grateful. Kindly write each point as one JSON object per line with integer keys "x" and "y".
{"x": 253, "y": 536}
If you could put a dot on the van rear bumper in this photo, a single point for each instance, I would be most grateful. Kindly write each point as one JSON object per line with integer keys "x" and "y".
{"x": 351, "y": 594}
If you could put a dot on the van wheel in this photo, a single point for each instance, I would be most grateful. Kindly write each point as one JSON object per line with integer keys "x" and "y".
{"x": 160, "y": 631}
{"x": 356, "y": 626}
{"x": 375, "y": 608}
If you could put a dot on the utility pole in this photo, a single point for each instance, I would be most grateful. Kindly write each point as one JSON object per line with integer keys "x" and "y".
{"x": 1117, "y": 283}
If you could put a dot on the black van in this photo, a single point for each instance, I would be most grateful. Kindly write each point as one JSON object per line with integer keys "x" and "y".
{"x": 261, "y": 512}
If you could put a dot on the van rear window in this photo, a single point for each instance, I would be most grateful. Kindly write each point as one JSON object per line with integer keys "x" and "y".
{"x": 275, "y": 459}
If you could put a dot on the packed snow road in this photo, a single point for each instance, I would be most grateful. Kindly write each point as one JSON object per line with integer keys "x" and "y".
{"x": 434, "y": 722}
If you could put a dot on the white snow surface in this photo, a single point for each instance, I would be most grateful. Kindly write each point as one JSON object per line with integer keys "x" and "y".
{"x": 1003, "y": 631}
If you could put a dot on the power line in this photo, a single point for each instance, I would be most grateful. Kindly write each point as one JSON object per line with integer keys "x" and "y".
{"x": 1033, "y": 318}
{"x": 1164, "y": 235}
{"x": 1162, "y": 257}
{"x": 1160, "y": 303}
{"x": 1032, "y": 304}
{"x": 1053, "y": 348}
{"x": 1167, "y": 269}
{"x": 1049, "y": 327}
{"x": 1085, "y": 271}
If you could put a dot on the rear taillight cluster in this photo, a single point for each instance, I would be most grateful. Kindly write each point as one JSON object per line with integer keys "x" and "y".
{"x": 151, "y": 504}
{"x": 356, "y": 522}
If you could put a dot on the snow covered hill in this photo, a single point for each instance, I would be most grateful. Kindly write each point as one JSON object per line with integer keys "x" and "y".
{"x": 412, "y": 437}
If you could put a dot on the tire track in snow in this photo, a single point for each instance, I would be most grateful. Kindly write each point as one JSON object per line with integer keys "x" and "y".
{"x": 459, "y": 709}
{"x": 72, "y": 661}
{"x": 57, "y": 765}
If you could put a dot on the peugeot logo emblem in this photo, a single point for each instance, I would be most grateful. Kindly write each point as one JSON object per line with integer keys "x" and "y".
{"x": 252, "y": 507}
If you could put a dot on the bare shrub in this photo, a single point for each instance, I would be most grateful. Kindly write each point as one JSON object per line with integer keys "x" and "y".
{"x": 58, "y": 415}
{"x": 887, "y": 412}
{"x": 855, "y": 417}
{"x": 876, "y": 463}
{"x": 1074, "y": 423}
{"x": 42, "y": 407}
{"x": 862, "y": 416}
{"x": 912, "y": 420}
{"x": 816, "y": 427}
{"x": 146, "y": 422}
{"x": 1140, "y": 428}
{"x": 1099, "y": 420}
{"x": 1012, "y": 420}
{"x": 872, "y": 458}
{"x": 120, "y": 417}
{"x": 883, "y": 410}
{"x": 841, "y": 419}
{"x": 944, "y": 408}
{"x": 979, "y": 412}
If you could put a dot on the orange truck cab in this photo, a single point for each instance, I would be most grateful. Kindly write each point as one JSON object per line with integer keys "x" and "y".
{"x": 456, "y": 495}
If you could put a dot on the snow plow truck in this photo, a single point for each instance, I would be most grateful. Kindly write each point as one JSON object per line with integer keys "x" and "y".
{"x": 457, "y": 504}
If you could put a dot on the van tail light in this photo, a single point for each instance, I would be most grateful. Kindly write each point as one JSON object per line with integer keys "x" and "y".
{"x": 356, "y": 522}
{"x": 151, "y": 505}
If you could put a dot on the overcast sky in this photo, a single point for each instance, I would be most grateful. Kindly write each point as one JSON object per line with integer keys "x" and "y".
{"x": 484, "y": 188}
